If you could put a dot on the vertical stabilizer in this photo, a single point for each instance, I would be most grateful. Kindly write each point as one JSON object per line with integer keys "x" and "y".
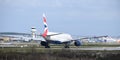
{"x": 45, "y": 26}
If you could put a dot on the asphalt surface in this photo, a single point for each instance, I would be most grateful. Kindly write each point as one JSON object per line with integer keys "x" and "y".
{"x": 76, "y": 48}
{"x": 97, "y": 48}
{"x": 88, "y": 48}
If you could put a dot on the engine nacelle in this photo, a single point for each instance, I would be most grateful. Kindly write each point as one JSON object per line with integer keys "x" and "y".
{"x": 43, "y": 43}
{"x": 77, "y": 43}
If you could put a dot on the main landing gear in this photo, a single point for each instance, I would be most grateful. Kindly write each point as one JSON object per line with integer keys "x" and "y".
{"x": 46, "y": 44}
{"x": 66, "y": 45}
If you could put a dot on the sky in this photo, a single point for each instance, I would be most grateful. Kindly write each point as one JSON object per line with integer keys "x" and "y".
{"x": 76, "y": 17}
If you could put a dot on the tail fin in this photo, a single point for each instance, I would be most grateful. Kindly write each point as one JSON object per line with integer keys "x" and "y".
{"x": 45, "y": 26}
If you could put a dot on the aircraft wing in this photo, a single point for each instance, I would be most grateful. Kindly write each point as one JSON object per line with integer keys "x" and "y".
{"x": 89, "y": 37}
{"x": 55, "y": 34}
{"x": 52, "y": 34}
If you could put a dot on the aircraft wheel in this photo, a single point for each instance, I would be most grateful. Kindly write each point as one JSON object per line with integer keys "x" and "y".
{"x": 67, "y": 46}
{"x": 47, "y": 46}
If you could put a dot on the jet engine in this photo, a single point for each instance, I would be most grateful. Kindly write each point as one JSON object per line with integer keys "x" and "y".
{"x": 77, "y": 43}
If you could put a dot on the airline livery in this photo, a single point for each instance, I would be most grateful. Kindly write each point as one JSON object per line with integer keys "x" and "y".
{"x": 57, "y": 38}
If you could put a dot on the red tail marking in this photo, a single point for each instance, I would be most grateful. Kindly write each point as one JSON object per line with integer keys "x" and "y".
{"x": 45, "y": 25}
{"x": 45, "y": 33}
{"x": 44, "y": 19}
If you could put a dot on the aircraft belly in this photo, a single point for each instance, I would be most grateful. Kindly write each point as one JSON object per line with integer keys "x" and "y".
{"x": 61, "y": 38}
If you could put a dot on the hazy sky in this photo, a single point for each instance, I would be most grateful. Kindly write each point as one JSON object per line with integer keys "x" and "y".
{"x": 76, "y": 17}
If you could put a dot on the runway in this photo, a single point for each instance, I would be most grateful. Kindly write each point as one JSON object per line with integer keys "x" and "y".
{"x": 87, "y": 48}
{"x": 97, "y": 48}
{"x": 59, "y": 48}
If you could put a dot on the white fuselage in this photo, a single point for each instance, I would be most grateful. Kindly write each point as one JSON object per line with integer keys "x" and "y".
{"x": 63, "y": 37}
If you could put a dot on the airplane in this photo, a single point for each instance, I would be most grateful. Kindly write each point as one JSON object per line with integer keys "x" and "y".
{"x": 57, "y": 38}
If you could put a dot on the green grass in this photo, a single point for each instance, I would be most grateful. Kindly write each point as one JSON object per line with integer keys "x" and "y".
{"x": 33, "y": 53}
